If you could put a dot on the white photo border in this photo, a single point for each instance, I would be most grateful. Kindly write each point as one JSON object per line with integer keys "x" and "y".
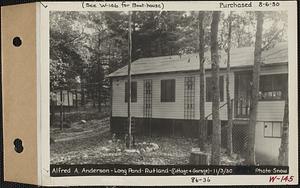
{"x": 44, "y": 106}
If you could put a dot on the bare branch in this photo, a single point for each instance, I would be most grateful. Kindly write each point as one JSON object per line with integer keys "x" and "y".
{"x": 78, "y": 37}
{"x": 269, "y": 42}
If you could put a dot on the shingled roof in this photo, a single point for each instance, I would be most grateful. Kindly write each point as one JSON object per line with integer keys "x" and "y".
{"x": 240, "y": 57}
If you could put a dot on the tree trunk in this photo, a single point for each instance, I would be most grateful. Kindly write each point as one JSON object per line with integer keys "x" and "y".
{"x": 52, "y": 111}
{"x": 216, "y": 137}
{"x": 110, "y": 99}
{"x": 229, "y": 104}
{"x": 199, "y": 158}
{"x": 284, "y": 146}
{"x": 99, "y": 90}
{"x": 99, "y": 71}
{"x": 202, "y": 127}
{"x": 61, "y": 111}
{"x": 99, "y": 98}
{"x": 68, "y": 93}
{"x": 82, "y": 94}
{"x": 255, "y": 89}
{"x": 94, "y": 97}
{"x": 129, "y": 85}
{"x": 76, "y": 99}
{"x": 133, "y": 38}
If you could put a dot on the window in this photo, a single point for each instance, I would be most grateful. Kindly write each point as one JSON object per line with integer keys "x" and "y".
{"x": 272, "y": 129}
{"x": 147, "y": 106}
{"x": 133, "y": 91}
{"x": 273, "y": 87}
{"x": 167, "y": 90}
{"x": 209, "y": 89}
{"x": 189, "y": 97}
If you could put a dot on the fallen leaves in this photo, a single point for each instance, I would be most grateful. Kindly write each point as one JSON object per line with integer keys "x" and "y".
{"x": 96, "y": 145}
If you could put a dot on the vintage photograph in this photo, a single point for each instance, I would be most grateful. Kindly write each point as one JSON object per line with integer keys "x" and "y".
{"x": 169, "y": 87}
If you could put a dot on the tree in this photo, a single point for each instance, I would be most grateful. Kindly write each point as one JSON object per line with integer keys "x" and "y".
{"x": 129, "y": 84}
{"x": 66, "y": 51}
{"x": 229, "y": 104}
{"x": 255, "y": 88}
{"x": 276, "y": 32}
{"x": 202, "y": 127}
{"x": 216, "y": 137}
{"x": 284, "y": 146}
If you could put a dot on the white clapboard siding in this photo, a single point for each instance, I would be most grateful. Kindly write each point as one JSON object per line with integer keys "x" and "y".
{"x": 170, "y": 110}
{"x": 119, "y": 106}
{"x": 267, "y": 110}
{"x": 268, "y": 146}
{"x": 282, "y": 69}
{"x": 270, "y": 110}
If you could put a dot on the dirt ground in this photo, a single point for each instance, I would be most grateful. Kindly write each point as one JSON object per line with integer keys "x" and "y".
{"x": 99, "y": 147}
{"x": 91, "y": 142}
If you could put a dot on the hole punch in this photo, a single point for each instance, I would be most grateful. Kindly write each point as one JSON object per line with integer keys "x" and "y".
{"x": 18, "y": 145}
{"x": 17, "y": 42}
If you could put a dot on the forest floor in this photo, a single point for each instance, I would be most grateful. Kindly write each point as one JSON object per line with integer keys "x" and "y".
{"x": 90, "y": 142}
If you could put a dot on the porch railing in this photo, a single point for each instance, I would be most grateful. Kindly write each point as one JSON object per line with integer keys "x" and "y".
{"x": 220, "y": 107}
{"x": 242, "y": 108}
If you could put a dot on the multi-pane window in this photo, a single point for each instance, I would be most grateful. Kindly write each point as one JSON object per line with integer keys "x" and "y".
{"x": 272, "y": 129}
{"x": 273, "y": 87}
{"x": 189, "y": 97}
{"x": 147, "y": 98}
{"x": 133, "y": 91}
{"x": 167, "y": 89}
{"x": 209, "y": 89}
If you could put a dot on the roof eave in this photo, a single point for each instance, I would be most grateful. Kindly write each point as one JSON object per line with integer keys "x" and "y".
{"x": 181, "y": 71}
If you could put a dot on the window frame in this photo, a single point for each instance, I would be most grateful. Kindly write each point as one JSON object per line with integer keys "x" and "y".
{"x": 133, "y": 90}
{"x": 272, "y": 124}
{"x": 272, "y": 90}
{"x": 165, "y": 94}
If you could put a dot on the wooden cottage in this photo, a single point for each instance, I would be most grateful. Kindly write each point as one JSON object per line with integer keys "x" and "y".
{"x": 165, "y": 96}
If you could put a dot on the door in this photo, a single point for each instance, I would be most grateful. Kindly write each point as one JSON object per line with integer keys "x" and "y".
{"x": 242, "y": 94}
{"x": 189, "y": 97}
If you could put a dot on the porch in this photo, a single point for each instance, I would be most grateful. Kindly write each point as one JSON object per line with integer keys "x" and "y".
{"x": 273, "y": 88}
